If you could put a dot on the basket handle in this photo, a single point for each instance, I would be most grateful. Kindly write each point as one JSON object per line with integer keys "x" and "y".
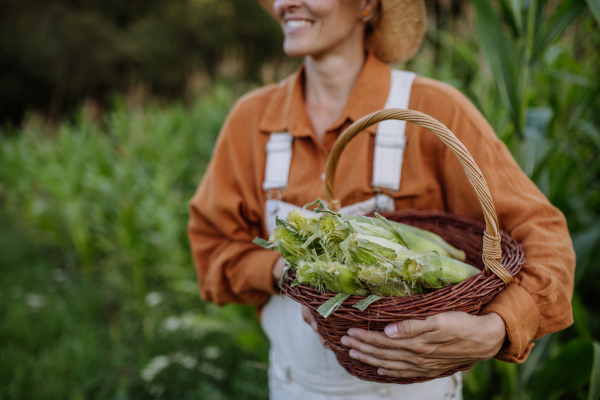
{"x": 492, "y": 252}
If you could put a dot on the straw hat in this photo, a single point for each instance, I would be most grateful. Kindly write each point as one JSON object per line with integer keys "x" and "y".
{"x": 398, "y": 30}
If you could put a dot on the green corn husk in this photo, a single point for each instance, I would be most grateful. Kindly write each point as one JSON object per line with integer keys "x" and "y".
{"x": 427, "y": 269}
{"x": 414, "y": 238}
{"x": 370, "y": 250}
{"x": 367, "y": 301}
{"x": 305, "y": 224}
{"x": 392, "y": 289}
{"x": 306, "y": 273}
{"x": 289, "y": 244}
{"x": 370, "y": 257}
{"x": 421, "y": 240}
{"x": 370, "y": 230}
{"x": 332, "y": 304}
{"x": 332, "y": 231}
{"x": 340, "y": 278}
{"x": 430, "y": 270}
{"x": 384, "y": 280}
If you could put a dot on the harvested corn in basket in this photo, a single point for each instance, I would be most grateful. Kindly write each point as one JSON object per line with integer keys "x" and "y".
{"x": 368, "y": 272}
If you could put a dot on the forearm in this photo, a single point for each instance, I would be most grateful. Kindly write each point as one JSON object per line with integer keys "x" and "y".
{"x": 230, "y": 267}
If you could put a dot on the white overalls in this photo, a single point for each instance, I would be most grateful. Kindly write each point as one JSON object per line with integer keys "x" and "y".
{"x": 300, "y": 368}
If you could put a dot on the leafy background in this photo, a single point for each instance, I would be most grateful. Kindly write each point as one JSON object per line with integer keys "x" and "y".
{"x": 110, "y": 111}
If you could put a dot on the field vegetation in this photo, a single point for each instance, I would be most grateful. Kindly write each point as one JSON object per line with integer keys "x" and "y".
{"x": 98, "y": 296}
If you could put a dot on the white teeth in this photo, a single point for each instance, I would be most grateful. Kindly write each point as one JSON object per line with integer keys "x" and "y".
{"x": 297, "y": 23}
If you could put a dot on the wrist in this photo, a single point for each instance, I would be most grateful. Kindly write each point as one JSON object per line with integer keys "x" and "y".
{"x": 277, "y": 271}
{"x": 494, "y": 329}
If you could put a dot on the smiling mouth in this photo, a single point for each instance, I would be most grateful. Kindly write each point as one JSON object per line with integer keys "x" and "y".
{"x": 297, "y": 24}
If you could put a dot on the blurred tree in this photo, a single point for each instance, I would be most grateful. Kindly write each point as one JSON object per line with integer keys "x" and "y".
{"x": 52, "y": 54}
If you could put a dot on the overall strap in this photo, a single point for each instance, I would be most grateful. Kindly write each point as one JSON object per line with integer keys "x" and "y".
{"x": 279, "y": 158}
{"x": 390, "y": 139}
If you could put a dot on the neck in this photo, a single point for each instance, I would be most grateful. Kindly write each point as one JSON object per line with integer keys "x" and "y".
{"x": 329, "y": 79}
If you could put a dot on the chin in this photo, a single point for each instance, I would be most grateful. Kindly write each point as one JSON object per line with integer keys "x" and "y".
{"x": 295, "y": 49}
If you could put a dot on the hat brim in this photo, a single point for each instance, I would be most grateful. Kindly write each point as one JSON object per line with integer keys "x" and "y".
{"x": 398, "y": 31}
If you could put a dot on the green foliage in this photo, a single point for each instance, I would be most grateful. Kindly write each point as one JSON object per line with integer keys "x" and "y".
{"x": 114, "y": 195}
{"x": 574, "y": 366}
{"x": 98, "y": 297}
{"x": 53, "y": 54}
{"x": 541, "y": 95}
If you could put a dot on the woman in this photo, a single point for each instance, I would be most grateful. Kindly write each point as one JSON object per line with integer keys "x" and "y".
{"x": 270, "y": 157}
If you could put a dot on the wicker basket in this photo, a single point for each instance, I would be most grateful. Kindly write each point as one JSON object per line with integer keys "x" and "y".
{"x": 494, "y": 252}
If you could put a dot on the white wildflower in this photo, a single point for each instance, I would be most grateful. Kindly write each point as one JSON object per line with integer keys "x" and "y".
{"x": 172, "y": 324}
{"x": 154, "y": 367}
{"x": 59, "y": 275}
{"x": 196, "y": 324}
{"x": 211, "y": 352}
{"x": 211, "y": 370}
{"x": 35, "y": 301}
{"x": 156, "y": 390}
{"x": 185, "y": 360}
{"x": 153, "y": 299}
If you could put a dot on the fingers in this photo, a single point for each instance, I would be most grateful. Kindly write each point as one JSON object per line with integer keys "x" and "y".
{"x": 386, "y": 364}
{"x": 309, "y": 318}
{"x": 411, "y": 327}
{"x": 324, "y": 343}
{"x": 382, "y": 354}
{"x": 410, "y": 373}
{"x": 398, "y": 363}
{"x": 379, "y": 339}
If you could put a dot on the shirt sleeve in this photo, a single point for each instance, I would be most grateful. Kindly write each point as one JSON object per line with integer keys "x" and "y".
{"x": 538, "y": 302}
{"x": 226, "y": 214}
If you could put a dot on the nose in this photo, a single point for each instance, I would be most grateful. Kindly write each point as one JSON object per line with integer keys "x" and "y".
{"x": 281, "y": 6}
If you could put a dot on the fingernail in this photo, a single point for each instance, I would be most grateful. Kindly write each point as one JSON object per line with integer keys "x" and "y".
{"x": 391, "y": 330}
{"x": 380, "y": 372}
{"x": 314, "y": 325}
{"x": 345, "y": 341}
{"x": 351, "y": 333}
{"x": 353, "y": 354}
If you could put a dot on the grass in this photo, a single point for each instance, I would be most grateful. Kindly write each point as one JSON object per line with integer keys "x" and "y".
{"x": 98, "y": 297}
{"x": 68, "y": 336}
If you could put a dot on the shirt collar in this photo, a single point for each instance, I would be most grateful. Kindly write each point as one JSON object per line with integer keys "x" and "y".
{"x": 286, "y": 111}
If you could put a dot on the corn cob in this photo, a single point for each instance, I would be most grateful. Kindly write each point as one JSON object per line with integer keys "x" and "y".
{"x": 362, "y": 256}
{"x": 430, "y": 270}
{"x": 289, "y": 244}
{"x": 414, "y": 238}
{"x": 340, "y": 278}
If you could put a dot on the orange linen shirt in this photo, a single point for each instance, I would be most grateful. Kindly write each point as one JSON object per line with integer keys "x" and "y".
{"x": 227, "y": 210}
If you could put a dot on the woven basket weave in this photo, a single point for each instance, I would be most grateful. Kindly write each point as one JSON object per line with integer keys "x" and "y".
{"x": 486, "y": 247}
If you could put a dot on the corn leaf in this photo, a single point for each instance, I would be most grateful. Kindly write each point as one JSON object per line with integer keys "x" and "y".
{"x": 561, "y": 18}
{"x": 397, "y": 232}
{"x": 499, "y": 53}
{"x": 594, "y": 6}
{"x": 264, "y": 243}
{"x": 533, "y": 364}
{"x": 363, "y": 304}
{"x": 594, "y": 393}
{"x": 332, "y": 304}
{"x": 569, "y": 370}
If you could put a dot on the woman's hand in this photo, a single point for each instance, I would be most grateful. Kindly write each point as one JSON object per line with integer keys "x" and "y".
{"x": 310, "y": 319}
{"x": 428, "y": 347}
{"x": 277, "y": 271}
